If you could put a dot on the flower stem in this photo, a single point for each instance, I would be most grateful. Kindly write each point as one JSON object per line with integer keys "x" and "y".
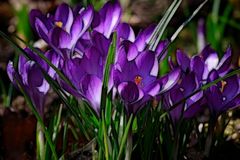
{"x": 209, "y": 138}
{"x": 40, "y": 142}
{"x": 129, "y": 146}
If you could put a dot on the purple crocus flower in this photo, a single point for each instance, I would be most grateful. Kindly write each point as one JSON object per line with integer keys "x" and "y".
{"x": 63, "y": 29}
{"x": 31, "y": 78}
{"x": 86, "y": 72}
{"x": 126, "y": 33}
{"x": 204, "y": 63}
{"x": 224, "y": 95}
{"x": 135, "y": 76}
{"x": 189, "y": 108}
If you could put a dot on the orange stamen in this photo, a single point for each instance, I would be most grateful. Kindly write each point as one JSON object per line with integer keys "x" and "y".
{"x": 138, "y": 80}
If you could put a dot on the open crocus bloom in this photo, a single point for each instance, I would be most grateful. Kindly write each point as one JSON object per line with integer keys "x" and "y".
{"x": 63, "y": 29}
{"x": 29, "y": 75}
{"x": 135, "y": 76}
{"x": 224, "y": 95}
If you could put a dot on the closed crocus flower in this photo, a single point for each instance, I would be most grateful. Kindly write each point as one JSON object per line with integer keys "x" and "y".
{"x": 191, "y": 106}
{"x": 63, "y": 29}
{"x": 224, "y": 95}
{"x": 135, "y": 76}
{"x": 204, "y": 63}
{"x": 86, "y": 72}
{"x": 31, "y": 79}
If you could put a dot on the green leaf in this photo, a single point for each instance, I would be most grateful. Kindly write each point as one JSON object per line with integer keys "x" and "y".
{"x": 125, "y": 136}
{"x": 159, "y": 30}
{"x": 110, "y": 60}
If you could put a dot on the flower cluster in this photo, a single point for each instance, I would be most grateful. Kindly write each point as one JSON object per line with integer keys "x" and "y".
{"x": 80, "y": 39}
{"x": 196, "y": 72}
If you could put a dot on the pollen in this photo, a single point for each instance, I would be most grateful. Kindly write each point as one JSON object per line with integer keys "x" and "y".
{"x": 59, "y": 24}
{"x": 138, "y": 80}
{"x": 224, "y": 83}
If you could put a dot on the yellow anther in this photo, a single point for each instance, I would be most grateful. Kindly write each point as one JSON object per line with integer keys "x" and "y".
{"x": 59, "y": 24}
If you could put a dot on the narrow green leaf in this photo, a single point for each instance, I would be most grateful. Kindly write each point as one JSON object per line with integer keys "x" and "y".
{"x": 125, "y": 136}
{"x": 176, "y": 33}
{"x": 110, "y": 60}
{"x": 107, "y": 68}
{"x": 158, "y": 32}
{"x": 187, "y": 21}
{"x": 63, "y": 97}
{"x": 107, "y": 145}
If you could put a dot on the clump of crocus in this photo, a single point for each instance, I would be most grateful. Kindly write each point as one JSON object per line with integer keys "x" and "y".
{"x": 198, "y": 71}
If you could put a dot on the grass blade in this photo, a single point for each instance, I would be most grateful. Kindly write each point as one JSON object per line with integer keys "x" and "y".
{"x": 158, "y": 32}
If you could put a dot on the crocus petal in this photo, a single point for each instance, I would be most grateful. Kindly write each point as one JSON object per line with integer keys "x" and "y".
{"x": 33, "y": 72}
{"x": 159, "y": 50}
{"x": 175, "y": 97}
{"x": 214, "y": 100}
{"x": 183, "y": 60}
{"x": 233, "y": 103}
{"x": 144, "y": 37}
{"x": 212, "y": 61}
{"x": 197, "y": 66}
{"x": 37, "y": 14}
{"x": 91, "y": 88}
{"x": 188, "y": 84}
{"x": 110, "y": 17}
{"x": 129, "y": 92}
{"x": 42, "y": 30}
{"x": 230, "y": 88}
{"x": 101, "y": 43}
{"x": 55, "y": 60}
{"x": 11, "y": 71}
{"x": 60, "y": 38}
{"x": 146, "y": 62}
{"x": 206, "y": 52}
{"x": 125, "y": 32}
{"x": 213, "y": 75}
{"x": 225, "y": 62}
{"x": 32, "y": 16}
{"x": 87, "y": 16}
{"x": 154, "y": 90}
{"x": 81, "y": 24}
{"x": 169, "y": 80}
